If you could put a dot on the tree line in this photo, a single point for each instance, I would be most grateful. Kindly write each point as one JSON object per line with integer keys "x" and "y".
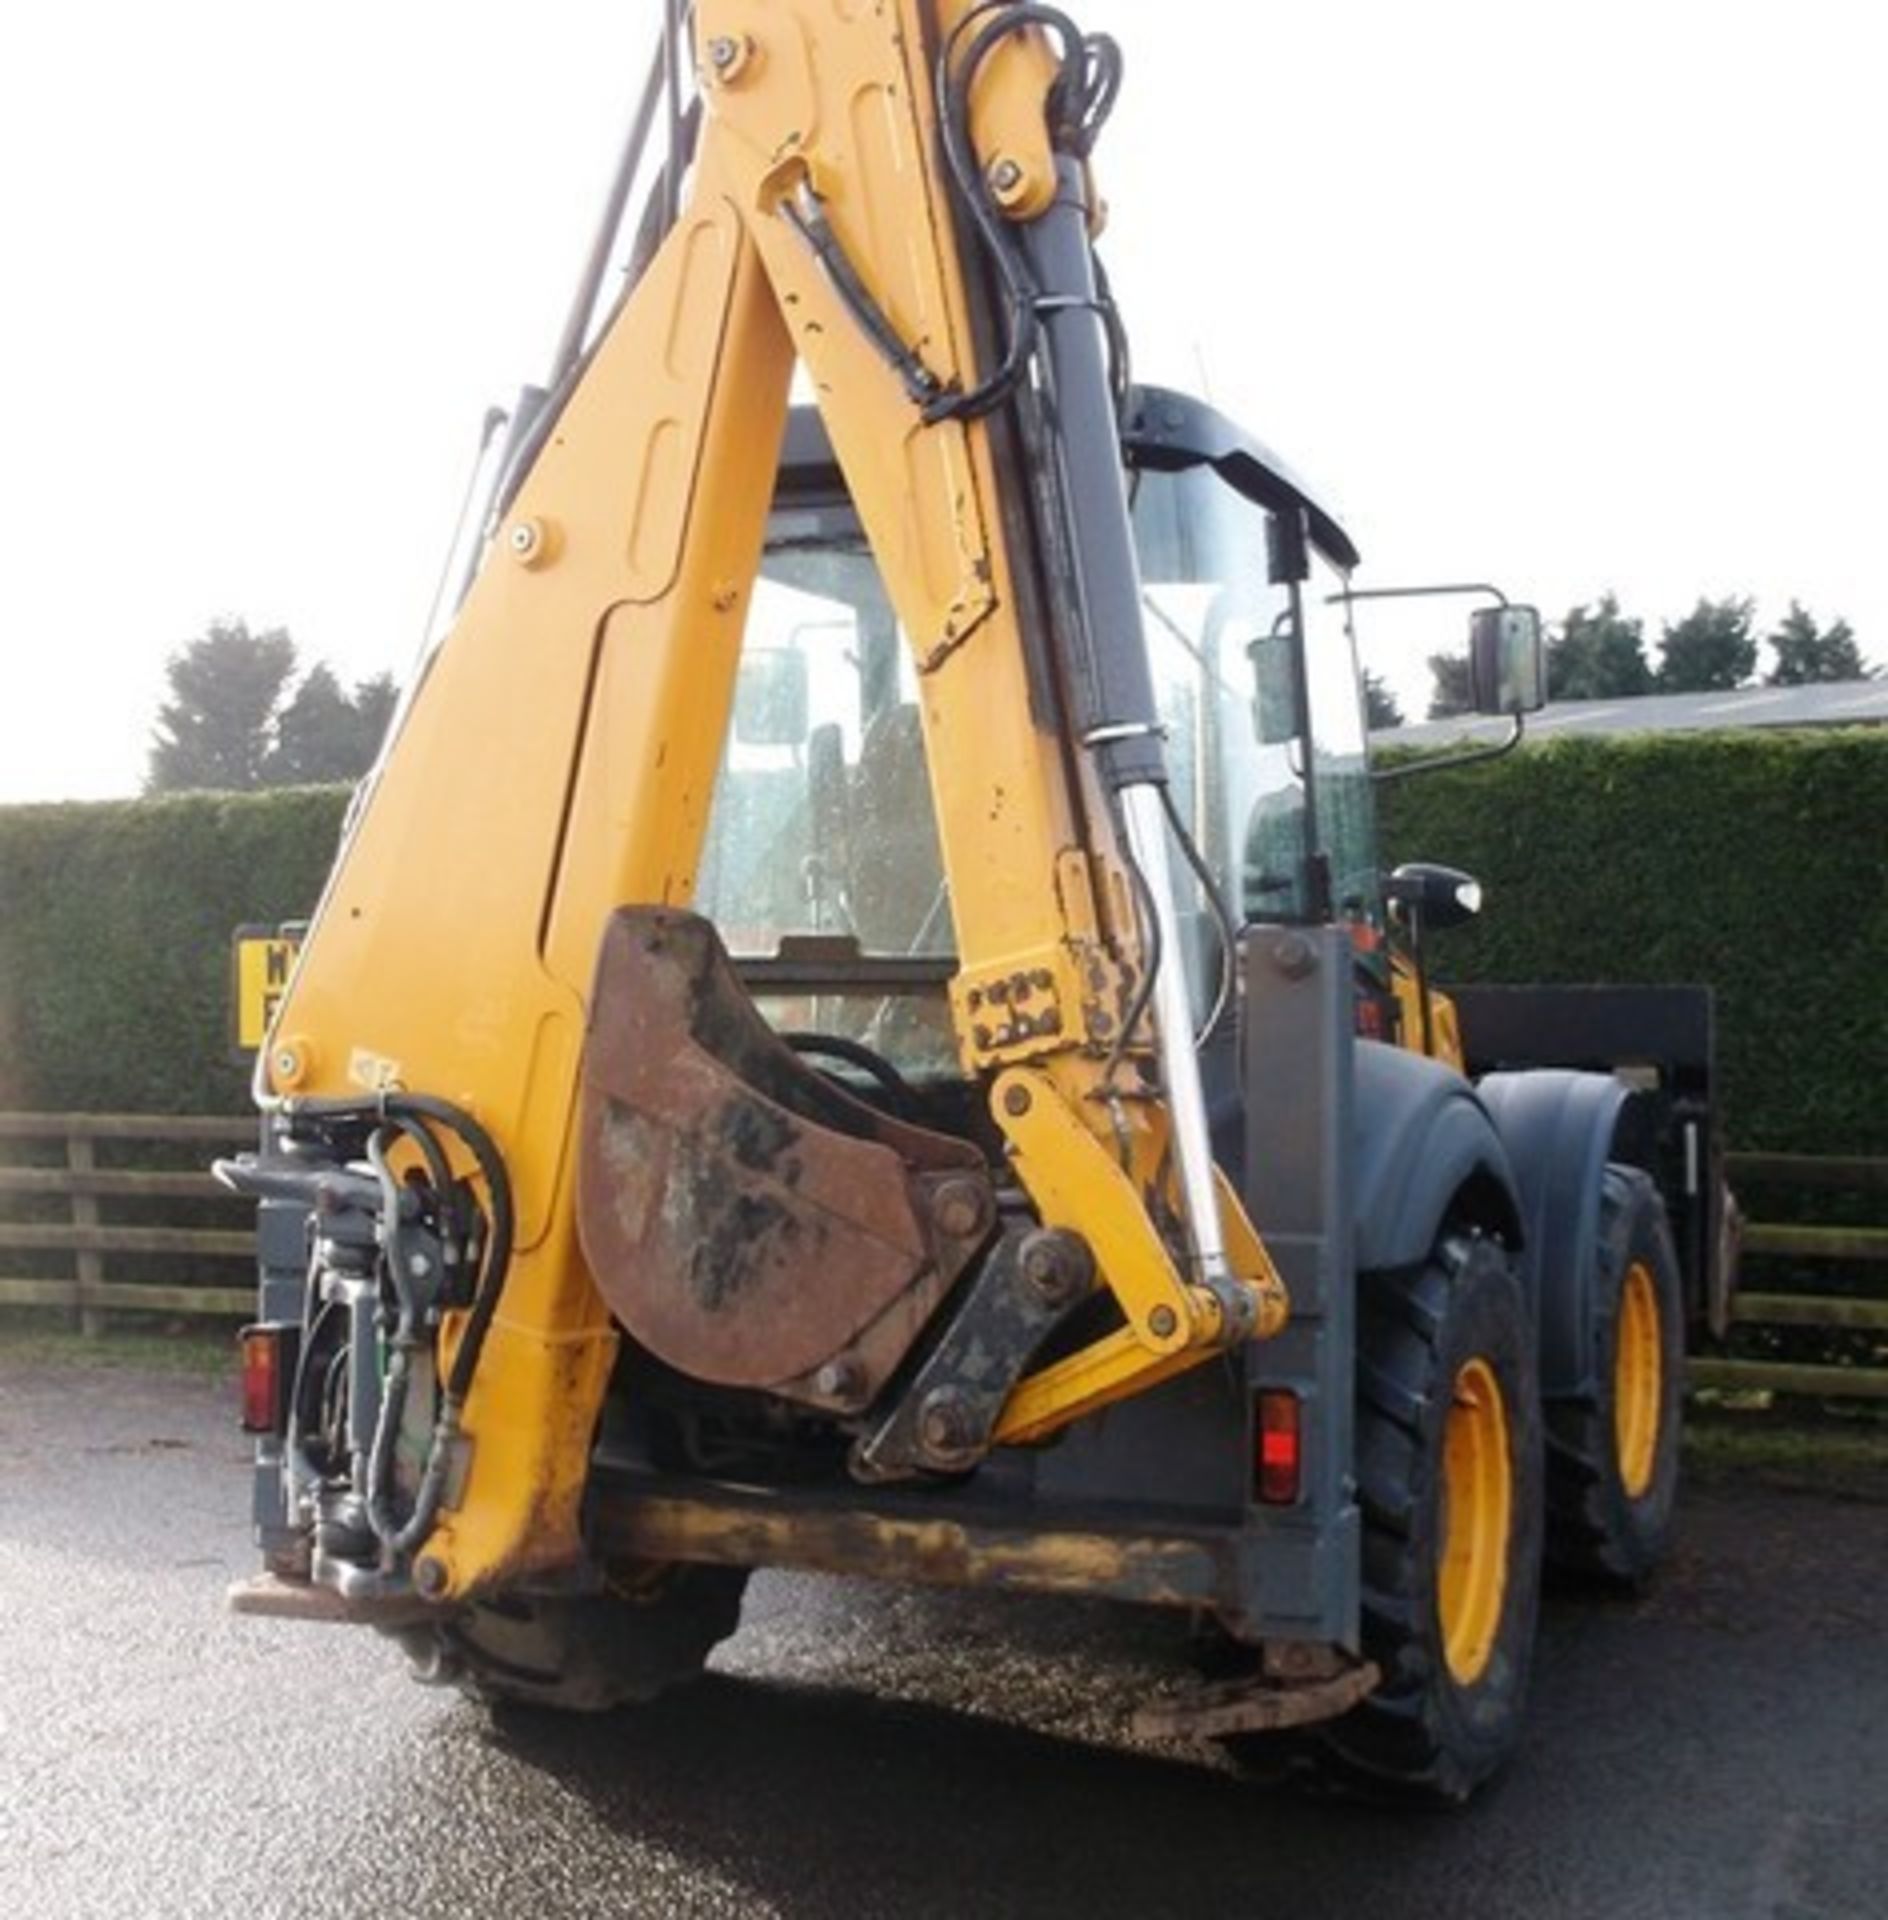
{"x": 241, "y": 715}
{"x": 1599, "y": 653}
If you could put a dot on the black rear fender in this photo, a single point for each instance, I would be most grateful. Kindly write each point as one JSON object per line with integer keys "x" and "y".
{"x": 1428, "y": 1154}
{"x": 1560, "y": 1129}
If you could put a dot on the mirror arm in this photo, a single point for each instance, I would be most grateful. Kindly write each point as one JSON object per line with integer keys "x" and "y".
{"x": 1382, "y": 776}
{"x": 1442, "y": 590}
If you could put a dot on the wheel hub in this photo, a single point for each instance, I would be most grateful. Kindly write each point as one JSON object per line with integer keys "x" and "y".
{"x": 1477, "y": 1517}
{"x": 1638, "y": 1373}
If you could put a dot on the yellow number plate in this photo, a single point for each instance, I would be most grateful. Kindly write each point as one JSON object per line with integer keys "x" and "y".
{"x": 264, "y": 958}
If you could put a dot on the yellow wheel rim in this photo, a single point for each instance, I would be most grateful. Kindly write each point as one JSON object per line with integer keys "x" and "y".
{"x": 1477, "y": 1515}
{"x": 1638, "y": 1381}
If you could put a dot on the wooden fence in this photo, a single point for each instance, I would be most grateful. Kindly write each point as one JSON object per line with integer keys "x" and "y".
{"x": 87, "y": 1241}
{"x": 1862, "y": 1248}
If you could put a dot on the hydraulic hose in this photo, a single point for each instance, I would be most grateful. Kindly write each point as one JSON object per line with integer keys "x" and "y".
{"x": 411, "y": 1113}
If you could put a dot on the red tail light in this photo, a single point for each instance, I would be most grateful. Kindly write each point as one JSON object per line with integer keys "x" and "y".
{"x": 1279, "y": 1465}
{"x": 268, "y": 1358}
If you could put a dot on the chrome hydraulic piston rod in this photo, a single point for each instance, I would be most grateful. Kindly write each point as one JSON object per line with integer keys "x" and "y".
{"x": 1118, "y": 717}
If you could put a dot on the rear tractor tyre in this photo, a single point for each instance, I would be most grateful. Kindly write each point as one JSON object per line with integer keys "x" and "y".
{"x": 1612, "y": 1451}
{"x": 1450, "y": 1480}
{"x": 584, "y": 1653}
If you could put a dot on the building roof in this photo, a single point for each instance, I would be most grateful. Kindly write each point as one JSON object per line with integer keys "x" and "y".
{"x": 1835, "y": 703}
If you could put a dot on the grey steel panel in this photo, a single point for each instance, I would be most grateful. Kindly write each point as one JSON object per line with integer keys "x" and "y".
{"x": 1298, "y": 1063}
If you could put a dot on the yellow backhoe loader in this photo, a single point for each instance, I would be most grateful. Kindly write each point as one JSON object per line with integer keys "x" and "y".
{"x": 857, "y": 1025}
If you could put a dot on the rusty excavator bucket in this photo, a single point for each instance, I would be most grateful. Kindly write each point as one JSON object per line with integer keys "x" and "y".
{"x": 750, "y": 1222}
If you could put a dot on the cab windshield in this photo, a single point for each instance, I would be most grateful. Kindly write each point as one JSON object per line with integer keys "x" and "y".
{"x": 822, "y": 821}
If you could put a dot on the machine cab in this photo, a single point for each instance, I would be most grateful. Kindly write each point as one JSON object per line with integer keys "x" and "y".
{"x": 821, "y": 866}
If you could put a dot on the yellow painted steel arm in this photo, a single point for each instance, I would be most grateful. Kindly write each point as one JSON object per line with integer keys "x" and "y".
{"x": 1047, "y": 939}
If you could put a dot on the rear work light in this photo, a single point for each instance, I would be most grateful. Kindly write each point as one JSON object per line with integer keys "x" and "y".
{"x": 268, "y": 1359}
{"x": 1278, "y": 1468}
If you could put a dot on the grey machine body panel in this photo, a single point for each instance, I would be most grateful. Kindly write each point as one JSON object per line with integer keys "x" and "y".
{"x": 1298, "y": 1076}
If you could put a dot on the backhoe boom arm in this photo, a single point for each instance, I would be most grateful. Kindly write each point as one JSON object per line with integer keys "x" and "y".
{"x": 896, "y": 198}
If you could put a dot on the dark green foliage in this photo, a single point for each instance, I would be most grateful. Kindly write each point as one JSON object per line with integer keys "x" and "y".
{"x": 1598, "y": 654}
{"x": 1711, "y": 650}
{"x": 1449, "y": 692}
{"x": 1381, "y": 710}
{"x": 227, "y": 728}
{"x": 374, "y": 702}
{"x": 115, "y": 925}
{"x": 1753, "y": 862}
{"x": 323, "y": 736}
{"x": 1807, "y": 653}
{"x": 316, "y": 734}
{"x": 213, "y": 733}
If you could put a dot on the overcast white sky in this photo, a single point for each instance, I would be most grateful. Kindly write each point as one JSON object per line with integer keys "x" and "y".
{"x": 1572, "y": 297}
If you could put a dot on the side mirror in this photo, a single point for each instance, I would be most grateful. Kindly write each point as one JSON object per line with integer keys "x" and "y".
{"x": 1506, "y": 672}
{"x": 1274, "y": 686}
{"x": 770, "y": 699}
{"x": 1434, "y": 897}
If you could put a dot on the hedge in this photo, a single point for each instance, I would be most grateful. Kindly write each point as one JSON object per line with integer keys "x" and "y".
{"x": 1755, "y": 862}
{"x": 115, "y": 925}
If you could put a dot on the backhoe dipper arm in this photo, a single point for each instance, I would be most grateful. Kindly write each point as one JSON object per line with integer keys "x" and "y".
{"x": 559, "y": 757}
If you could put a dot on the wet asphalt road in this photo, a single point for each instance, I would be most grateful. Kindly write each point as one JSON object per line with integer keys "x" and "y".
{"x": 1718, "y": 1749}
